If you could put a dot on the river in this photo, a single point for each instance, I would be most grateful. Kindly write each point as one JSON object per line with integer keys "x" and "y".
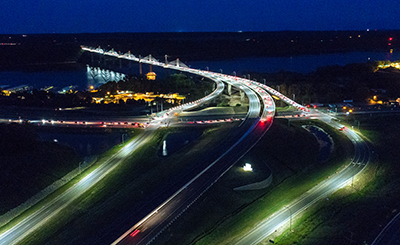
{"x": 83, "y": 79}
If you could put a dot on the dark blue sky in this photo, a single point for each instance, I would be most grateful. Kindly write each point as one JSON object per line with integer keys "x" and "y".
{"x": 77, "y": 16}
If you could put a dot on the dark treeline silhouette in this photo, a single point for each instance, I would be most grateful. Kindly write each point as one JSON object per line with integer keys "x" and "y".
{"x": 220, "y": 45}
{"x": 39, "y": 98}
{"x": 333, "y": 84}
{"x": 19, "y": 50}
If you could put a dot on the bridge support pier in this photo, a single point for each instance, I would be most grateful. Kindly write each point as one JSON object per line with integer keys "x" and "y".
{"x": 242, "y": 96}
{"x": 229, "y": 89}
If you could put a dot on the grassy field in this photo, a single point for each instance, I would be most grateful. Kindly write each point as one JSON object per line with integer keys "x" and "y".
{"x": 137, "y": 177}
{"x": 290, "y": 153}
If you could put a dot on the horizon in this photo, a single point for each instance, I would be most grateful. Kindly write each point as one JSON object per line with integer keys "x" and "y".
{"x": 157, "y": 32}
{"x": 73, "y": 16}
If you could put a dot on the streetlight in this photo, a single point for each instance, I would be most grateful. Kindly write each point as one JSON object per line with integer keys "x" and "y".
{"x": 290, "y": 222}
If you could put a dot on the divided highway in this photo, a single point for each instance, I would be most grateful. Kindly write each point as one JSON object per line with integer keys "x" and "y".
{"x": 361, "y": 158}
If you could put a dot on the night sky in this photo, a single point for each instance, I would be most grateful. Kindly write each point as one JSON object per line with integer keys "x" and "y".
{"x": 79, "y": 16}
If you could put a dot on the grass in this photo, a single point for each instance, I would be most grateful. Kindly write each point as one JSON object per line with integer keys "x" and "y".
{"x": 290, "y": 153}
{"x": 103, "y": 157}
{"x": 136, "y": 178}
{"x": 285, "y": 108}
{"x": 357, "y": 212}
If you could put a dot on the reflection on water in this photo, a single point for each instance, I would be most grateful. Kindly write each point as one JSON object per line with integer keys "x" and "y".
{"x": 80, "y": 77}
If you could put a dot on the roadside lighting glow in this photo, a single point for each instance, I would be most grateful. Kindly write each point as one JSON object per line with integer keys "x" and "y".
{"x": 247, "y": 167}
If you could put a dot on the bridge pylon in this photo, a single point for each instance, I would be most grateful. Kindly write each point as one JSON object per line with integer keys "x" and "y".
{"x": 140, "y": 65}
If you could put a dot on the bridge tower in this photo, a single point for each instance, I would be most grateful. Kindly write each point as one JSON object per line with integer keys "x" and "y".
{"x": 140, "y": 65}
{"x": 151, "y": 67}
{"x": 129, "y": 61}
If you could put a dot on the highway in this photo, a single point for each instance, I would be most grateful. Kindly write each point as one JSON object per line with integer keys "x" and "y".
{"x": 50, "y": 209}
{"x": 33, "y": 221}
{"x": 147, "y": 230}
{"x": 258, "y": 120}
{"x": 361, "y": 158}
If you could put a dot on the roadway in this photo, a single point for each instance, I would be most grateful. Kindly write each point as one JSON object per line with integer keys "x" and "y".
{"x": 258, "y": 120}
{"x": 361, "y": 158}
{"x": 244, "y": 137}
{"x": 390, "y": 234}
{"x": 46, "y": 212}
{"x": 49, "y": 210}
{"x": 248, "y": 135}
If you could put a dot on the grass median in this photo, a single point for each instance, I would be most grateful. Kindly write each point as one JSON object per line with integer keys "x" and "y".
{"x": 222, "y": 215}
{"x": 138, "y": 176}
{"x": 358, "y": 212}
